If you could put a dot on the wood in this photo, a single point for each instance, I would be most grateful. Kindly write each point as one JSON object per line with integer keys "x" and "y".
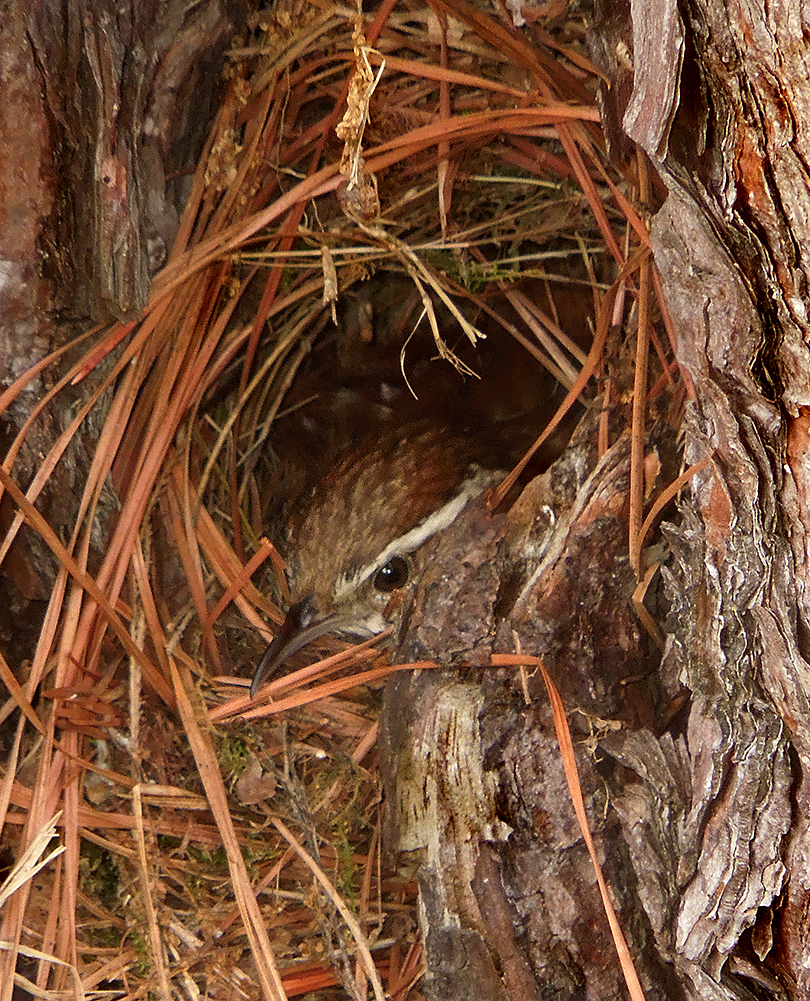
{"x": 105, "y": 109}
{"x": 478, "y": 803}
{"x": 704, "y": 825}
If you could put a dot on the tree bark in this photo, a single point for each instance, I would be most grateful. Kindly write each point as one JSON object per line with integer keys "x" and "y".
{"x": 729, "y": 243}
{"x": 105, "y": 109}
{"x": 703, "y": 827}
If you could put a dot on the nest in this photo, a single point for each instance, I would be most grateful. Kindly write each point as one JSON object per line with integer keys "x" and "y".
{"x": 210, "y": 845}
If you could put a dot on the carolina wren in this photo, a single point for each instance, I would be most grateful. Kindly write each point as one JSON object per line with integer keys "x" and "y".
{"x": 358, "y": 536}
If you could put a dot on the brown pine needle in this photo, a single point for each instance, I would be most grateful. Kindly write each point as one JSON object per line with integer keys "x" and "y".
{"x": 572, "y": 778}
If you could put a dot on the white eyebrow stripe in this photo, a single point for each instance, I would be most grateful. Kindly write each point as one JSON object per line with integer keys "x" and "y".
{"x": 414, "y": 538}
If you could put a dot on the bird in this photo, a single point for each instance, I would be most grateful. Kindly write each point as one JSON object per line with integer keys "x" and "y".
{"x": 358, "y": 535}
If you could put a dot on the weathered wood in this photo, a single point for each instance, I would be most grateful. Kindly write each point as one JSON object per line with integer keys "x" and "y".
{"x": 477, "y": 796}
{"x": 128, "y": 90}
{"x": 729, "y": 243}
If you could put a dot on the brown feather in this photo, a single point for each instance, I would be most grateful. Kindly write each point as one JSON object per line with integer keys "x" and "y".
{"x": 376, "y": 493}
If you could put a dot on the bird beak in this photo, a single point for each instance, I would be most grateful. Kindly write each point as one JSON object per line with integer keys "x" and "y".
{"x": 300, "y": 627}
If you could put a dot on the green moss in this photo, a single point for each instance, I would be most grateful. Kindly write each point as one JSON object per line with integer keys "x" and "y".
{"x": 142, "y": 965}
{"x": 98, "y": 872}
{"x": 108, "y": 937}
{"x": 168, "y": 842}
{"x": 216, "y": 858}
{"x": 232, "y": 753}
{"x": 346, "y": 868}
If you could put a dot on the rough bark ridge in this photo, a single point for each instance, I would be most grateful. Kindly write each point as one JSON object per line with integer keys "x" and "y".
{"x": 128, "y": 89}
{"x": 729, "y": 243}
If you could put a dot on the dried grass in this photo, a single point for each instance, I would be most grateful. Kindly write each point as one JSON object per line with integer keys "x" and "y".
{"x": 175, "y": 876}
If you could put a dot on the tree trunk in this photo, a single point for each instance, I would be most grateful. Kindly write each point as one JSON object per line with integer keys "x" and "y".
{"x": 729, "y": 243}
{"x": 701, "y": 820}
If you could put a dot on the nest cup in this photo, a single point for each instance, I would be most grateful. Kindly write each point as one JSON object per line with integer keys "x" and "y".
{"x": 403, "y": 215}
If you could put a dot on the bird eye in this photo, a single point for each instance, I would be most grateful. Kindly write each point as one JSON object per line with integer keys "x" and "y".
{"x": 393, "y": 575}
